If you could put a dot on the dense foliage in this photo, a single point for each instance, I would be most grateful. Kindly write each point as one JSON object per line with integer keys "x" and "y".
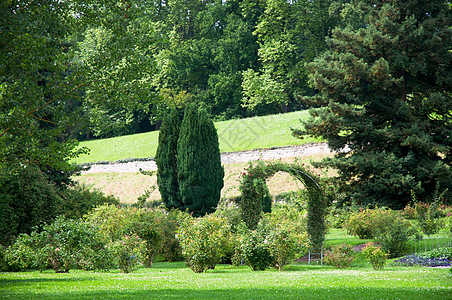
{"x": 254, "y": 189}
{"x": 200, "y": 173}
{"x": 166, "y": 160}
{"x": 385, "y": 93}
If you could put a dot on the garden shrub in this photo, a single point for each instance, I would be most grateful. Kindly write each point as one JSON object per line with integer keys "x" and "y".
{"x": 66, "y": 242}
{"x": 25, "y": 254}
{"x": 170, "y": 246}
{"x": 156, "y": 227}
{"x": 255, "y": 248}
{"x": 27, "y": 199}
{"x": 339, "y": 256}
{"x": 79, "y": 200}
{"x": 204, "y": 241}
{"x": 62, "y": 245}
{"x": 128, "y": 252}
{"x": 148, "y": 226}
{"x": 285, "y": 246}
{"x": 393, "y": 233}
{"x": 361, "y": 224}
{"x": 112, "y": 220}
{"x": 375, "y": 255}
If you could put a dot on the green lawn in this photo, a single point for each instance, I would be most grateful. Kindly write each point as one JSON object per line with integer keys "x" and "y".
{"x": 234, "y": 135}
{"x": 297, "y": 281}
{"x": 175, "y": 281}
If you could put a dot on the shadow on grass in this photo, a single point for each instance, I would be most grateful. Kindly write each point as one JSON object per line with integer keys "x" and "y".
{"x": 255, "y": 293}
{"x": 25, "y": 281}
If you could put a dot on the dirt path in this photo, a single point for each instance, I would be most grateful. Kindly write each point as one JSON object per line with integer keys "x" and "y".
{"x": 226, "y": 158}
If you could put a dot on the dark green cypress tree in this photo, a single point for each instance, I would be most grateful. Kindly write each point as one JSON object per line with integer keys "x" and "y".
{"x": 386, "y": 88}
{"x": 200, "y": 173}
{"x": 166, "y": 160}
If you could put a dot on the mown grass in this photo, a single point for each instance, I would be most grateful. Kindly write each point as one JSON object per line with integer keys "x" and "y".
{"x": 297, "y": 281}
{"x": 234, "y": 135}
{"x": 175, "y": 281}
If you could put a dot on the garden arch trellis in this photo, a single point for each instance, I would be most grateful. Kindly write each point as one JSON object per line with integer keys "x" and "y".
{"x": 253, "y": 187}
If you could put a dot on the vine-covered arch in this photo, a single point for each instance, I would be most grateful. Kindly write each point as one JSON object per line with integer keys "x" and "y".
{"x": 253, "y": 187}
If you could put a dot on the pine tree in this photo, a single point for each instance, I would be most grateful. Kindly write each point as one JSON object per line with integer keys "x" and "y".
{"x": 200, "y": 173}
{"x": 166, "y": 160}
{"x": 385, "y": 86}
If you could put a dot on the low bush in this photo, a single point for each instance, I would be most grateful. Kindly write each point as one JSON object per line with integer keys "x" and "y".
{"x": 255, "y": 248}
{"x": 128, "y": 251}
{"x": 362, "y": 223}
{"x": 156, "y": 227}
{"x": 339, "y": 256}
{"x": 375, "y": 255}
{"x": 393, "y": 233}
{"x": 62, "y": 244}
{"x": 387, "y": 227}
{"x": 204, "y": 241}
{"x": 79, "y": 200}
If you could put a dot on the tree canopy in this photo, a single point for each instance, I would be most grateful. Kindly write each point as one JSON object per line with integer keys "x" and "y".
{"x": 385, "y": 92}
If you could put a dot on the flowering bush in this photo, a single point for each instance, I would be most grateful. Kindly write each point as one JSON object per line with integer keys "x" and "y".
{"x": 62, "y": 244}
{"x": 24, "y": 254}
{"x": 128, "y": 251}
{"x": 204, "y": 241}
{"x": 156, "y": 227}
{"x": 362, "y": 223}
{"x": 255, "y": 248}
{"x": 393, "y": 233}
{"x": 375, "y": 255}
{"x": 287, "y": 237}
{"x": 339, "y": 256}
{"x": 419, "y": 260}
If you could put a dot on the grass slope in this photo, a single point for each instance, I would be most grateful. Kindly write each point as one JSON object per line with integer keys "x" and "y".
{"x": 234, "y": 135}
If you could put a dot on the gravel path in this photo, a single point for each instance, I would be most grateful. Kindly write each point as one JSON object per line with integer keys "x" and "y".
{"x": 226, "y": 158}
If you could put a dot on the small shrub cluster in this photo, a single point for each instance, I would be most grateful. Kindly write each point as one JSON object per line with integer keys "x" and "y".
{"x": 62, "y": 245}
{"x": 278, "y": 239}
{"x": 128, "y": 252}
{"x": 204, "y": 241}
{"x": 339, "y": 256}
{"x": 387, "y": 227}
{"x": 106, "y": 237}
{"x": 375, "y": 255}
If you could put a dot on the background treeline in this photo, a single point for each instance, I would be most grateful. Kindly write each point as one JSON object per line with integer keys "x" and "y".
{"x": 234, "y": 58}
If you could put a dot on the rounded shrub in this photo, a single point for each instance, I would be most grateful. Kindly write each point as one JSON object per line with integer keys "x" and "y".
{"x": 204, "y": 241}
{"x": 375, "y": 255}
{"x": 339, "y": 256}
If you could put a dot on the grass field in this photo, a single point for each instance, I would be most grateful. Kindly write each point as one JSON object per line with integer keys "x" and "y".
{"x": 234, "y": 135}
{"x": 176, "y": 281}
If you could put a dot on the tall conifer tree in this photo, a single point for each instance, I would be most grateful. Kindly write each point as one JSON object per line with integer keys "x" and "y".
{"x": 386, "y": 88}
{"x": 200, "y": 173}
{"x": 166, "y": 160}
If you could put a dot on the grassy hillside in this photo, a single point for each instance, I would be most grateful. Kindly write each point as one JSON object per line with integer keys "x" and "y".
{"x": 234, "y": 135}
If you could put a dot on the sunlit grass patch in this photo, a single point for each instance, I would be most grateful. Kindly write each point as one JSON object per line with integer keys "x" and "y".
{"x": 234, "y": 135}
{"x": 175, "y": 281}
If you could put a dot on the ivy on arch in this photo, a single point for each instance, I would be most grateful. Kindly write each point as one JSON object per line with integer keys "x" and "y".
{"x": 253, "y": 187}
